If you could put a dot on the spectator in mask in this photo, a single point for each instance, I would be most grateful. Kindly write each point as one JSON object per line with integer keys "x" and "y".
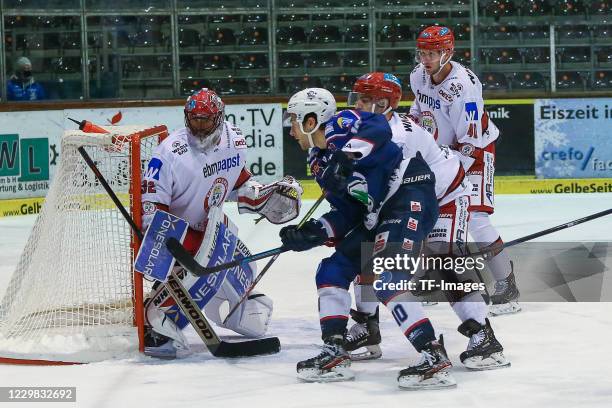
{"x": 21, "y": 86}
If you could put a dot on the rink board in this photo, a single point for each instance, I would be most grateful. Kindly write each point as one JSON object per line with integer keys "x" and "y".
{"x": 518, "y": 185}
{"x": 503, "y": 185}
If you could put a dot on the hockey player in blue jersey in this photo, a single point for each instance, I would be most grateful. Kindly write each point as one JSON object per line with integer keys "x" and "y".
{"x": 375, "y": 196}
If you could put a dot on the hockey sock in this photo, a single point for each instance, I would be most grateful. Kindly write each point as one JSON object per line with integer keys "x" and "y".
{"x": 334, "y": 308}
{"x": 410, "y": 317}
{"x": 365, "y": 299}
{"x": 487, "y": 238}
{"x": 471, "y": 306}
{"x": 420, "y": 333}
{"x": 500, "y": 265}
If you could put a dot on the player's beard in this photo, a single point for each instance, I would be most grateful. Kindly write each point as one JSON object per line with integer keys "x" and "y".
{"x": 208, "y": 142}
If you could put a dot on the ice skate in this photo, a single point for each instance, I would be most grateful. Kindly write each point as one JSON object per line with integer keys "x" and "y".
{"x": 159, "y": 346}
{"x": 432, "y": 372}
{"x": 332, "y": 364}
{"x": 363, "y": 338}
{"x": 484, "y": 351}
{"x": 505, "y": 298}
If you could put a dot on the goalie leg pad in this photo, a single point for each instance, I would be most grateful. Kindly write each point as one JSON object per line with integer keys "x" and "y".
{"x": 163, "y": 324}
{"x": 251, "y": 319}
{"x": 255, "y": 316}
{"x": 219, "y": 245}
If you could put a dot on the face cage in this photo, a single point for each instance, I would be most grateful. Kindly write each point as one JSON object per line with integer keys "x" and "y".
{"x": 207, "y": 138}
{"x": 202, "y": 132}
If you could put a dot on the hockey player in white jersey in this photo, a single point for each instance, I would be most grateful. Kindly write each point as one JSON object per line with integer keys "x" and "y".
{"x": 448, "y": 103}
{"x": 380, "y": 92}
{"x": 191, "y": 174}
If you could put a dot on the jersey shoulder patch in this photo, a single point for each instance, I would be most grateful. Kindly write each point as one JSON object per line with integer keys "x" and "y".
{"x": 235, "y": 129}
{"x": 464, "y": 81}
{"x": 235, "y": 138}
{"x": 445, "y": 94}
{"x": 455, "y": 88}
{"x": 179, "y": 147}
{"x": 174, "y": 145}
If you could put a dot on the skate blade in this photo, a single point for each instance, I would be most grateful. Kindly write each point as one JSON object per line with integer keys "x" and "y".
{"x": 493, "y": 362}
{"x": 338, "y": 373}
{"x": 438, "y": 381}
{"x": 371, "y": 353}
{"x": 504, "y": 308}
{"x": 162, "y": 354}
{"x": 428, "y": 303}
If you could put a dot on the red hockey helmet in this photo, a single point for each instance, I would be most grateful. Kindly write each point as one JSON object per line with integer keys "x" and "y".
{"x": 436, "y": 38}
{"x": 204, "y": 115}
{"x": 377, "y": 85}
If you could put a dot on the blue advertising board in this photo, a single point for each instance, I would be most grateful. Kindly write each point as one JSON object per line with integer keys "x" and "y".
{"x": 573, "y": 138}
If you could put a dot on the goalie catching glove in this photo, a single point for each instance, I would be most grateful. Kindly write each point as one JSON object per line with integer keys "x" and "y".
{"x": 279, "y": 202}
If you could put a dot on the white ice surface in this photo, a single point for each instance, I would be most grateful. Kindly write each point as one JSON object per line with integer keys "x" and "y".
{"x": 560, "y": 352}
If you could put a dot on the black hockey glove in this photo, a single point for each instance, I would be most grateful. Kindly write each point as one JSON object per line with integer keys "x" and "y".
{"x": 335, "y": 175}
{"x": 310, "y": 235}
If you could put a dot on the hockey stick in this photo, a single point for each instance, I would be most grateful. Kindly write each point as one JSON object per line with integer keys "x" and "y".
{"x": 271, "y": 261}
{"x": 548, "y": 231}
{"x": 492, "y": 253}
{"x": 181, "y": 296}
{"x": 188, "y": 262}
{"x": 558, "y": 228}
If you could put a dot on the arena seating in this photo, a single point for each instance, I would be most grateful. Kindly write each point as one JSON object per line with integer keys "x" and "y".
{"x": 324, "y": 34}
{"x": 532, "y": 81}
{"x": 252, "y": 61}
{"x": 494, "y": 81}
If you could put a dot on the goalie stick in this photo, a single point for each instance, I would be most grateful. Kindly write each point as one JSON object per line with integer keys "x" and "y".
{"x": 271, "y": 261}
{"x": 216, "y": 346}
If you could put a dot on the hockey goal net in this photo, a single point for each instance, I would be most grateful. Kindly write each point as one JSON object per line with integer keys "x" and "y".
{"x": 74, "y": 297}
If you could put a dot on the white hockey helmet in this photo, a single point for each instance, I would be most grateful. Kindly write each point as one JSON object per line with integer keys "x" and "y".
{"x": 318, "y": 101}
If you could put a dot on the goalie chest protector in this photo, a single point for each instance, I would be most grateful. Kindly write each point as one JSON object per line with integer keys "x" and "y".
{"x": 191, "y": 181}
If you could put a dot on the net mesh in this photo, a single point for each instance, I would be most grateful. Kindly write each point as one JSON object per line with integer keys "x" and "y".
{"x": 71, "y": 295}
